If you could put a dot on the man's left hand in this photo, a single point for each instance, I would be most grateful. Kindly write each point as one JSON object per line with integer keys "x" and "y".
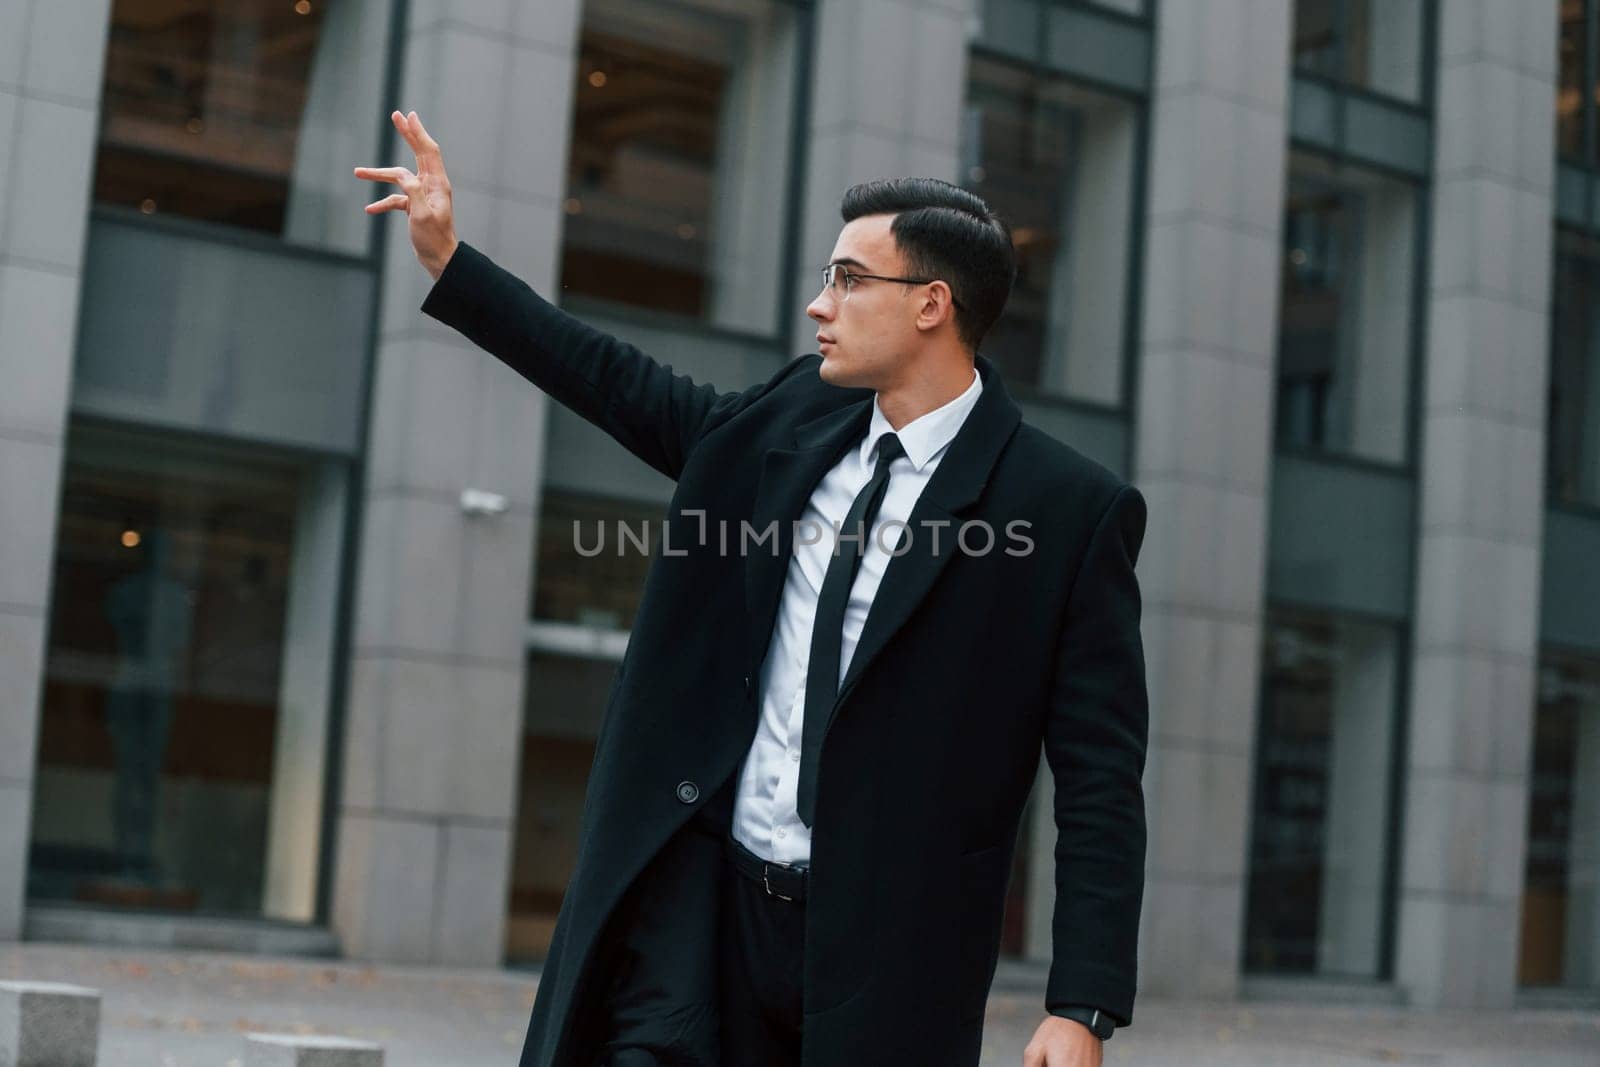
{"x": 1062, "y": 1043}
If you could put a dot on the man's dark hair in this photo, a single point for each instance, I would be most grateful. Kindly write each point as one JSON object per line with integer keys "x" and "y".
{"x": 948, "y": 233}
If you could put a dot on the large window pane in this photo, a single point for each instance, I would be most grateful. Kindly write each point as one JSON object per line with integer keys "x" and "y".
{"x": 678, "y": 173}
{"x": 1574, "y": 432}
{"x": 1569, "y": 88}
{"x": 1057, "y": 162}
{"x": 1370, "y": 44}
{"x": 1344, "y": 344}
{"x": 183, "y": 735}
{"x": 566, "y": 696}
{"x": 1560, "y": 942}
{"x": 245, "y": 112}
{"x": 589, "y": 569}
{"x": 1318, "y": 854}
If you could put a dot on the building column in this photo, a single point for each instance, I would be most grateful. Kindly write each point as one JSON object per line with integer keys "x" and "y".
{"x": 1202, "y": 445}
{"x": 435, "y": 691}
{"x": 887, "y": 104}
{"x": 51, "y": 59}
{"x": 1482, "y": 505}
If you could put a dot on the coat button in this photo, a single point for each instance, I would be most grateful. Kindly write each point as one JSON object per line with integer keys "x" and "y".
{"x": 688, "y": 792}
{"x": 747, "y": 685}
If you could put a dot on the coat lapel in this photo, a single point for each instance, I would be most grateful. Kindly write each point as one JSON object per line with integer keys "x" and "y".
{"x": 788, "y": 477}
{"x": 956, "y": 485}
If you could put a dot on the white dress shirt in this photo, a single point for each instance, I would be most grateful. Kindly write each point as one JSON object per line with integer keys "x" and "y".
{"x": 764, "y": 814}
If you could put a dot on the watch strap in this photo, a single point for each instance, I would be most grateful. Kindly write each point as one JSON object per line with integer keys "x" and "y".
{"x": 1101, "y": 1024}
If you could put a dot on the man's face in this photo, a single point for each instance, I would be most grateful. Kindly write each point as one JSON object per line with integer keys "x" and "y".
{"x": 866, "y": 339}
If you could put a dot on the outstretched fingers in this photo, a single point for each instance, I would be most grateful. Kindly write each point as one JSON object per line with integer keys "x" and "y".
{"x": 390, "y": 203}
{"x": 422, "y": 144}
{"x": 398, "y": 175}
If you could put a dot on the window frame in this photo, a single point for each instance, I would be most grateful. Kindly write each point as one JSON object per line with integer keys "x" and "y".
{"x": 786, "y": 263}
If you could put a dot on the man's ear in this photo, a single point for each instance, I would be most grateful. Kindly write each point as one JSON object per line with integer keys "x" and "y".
{"x": 938, "y": 305}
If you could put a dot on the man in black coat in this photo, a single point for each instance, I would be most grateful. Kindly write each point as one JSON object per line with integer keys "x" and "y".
{"x": 880, "y": 594}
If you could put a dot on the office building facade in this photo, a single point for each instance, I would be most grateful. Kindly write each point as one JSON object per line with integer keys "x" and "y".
{"x": 303, "y": 640}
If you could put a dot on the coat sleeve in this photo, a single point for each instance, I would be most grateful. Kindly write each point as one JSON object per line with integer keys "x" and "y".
{"x": 656, "y": 414}
{"x": 1095, "y": 738}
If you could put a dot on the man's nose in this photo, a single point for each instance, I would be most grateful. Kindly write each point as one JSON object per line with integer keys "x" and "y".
{"x": 820, "y": 309}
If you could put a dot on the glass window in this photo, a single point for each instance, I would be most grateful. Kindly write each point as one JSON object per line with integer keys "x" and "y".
{"x": 589, "y": 569}
{"x": 183, "y": 733}
{"x": 1344, "y": 338}
{"x": 679, "y": 168}
{"x": 246, "y": 113}
{"x": 1560, "y": 944}
{"x": 1057, "y": 162}
{"x": 1569, "y": 89}
{"x": 1014, "y": 25}
{"x": 565, "y": 699}
{"x": 1322, "y": 807}
{"x": 1574, "y": 430}
{"x": 1370, "y": 44}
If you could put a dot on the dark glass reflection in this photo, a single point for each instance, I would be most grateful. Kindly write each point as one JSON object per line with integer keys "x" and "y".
{"x": 1377, "y": 45}
{"x": 165, "y": 663}
{"x": 1573, "y": 438}
{"x": 1316, "y": 37}
{"x": 1561, "y": 895}
{"x": 1569, "y": 85}
{"x": 565, "y": 698}
{"x": 677, "y": 172}
{"x": 247, "y": 114}
{"x": 1056, "y": 162}
{"x": 589, "y": 569}
{"x": 639, "y": 184}
{"x": 1318, "y": 860}
{"x": 1344, "y": 332}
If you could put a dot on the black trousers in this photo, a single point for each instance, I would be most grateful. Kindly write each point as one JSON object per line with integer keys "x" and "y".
{"x": 735, "y": 999}
{"x": 761, "y": 948}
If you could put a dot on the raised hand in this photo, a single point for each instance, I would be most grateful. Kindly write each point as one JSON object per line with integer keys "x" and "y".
{"x": 424, "y": 196}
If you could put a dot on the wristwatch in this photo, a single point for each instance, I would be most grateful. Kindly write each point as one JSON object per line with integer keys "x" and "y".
{"x": 1101, "y": 1024}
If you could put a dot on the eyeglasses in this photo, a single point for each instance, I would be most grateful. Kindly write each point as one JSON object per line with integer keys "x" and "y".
{"x": 841, "y": 282}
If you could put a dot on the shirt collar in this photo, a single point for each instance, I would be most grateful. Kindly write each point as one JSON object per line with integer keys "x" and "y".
{"x": 926, "y": 435}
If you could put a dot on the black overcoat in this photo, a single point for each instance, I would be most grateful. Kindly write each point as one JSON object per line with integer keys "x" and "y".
{"x": 969, "y": 662}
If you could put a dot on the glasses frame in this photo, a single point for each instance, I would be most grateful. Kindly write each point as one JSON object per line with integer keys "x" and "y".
{"x": 850, "y": 277}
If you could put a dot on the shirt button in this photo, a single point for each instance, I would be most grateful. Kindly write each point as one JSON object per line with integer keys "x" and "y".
{"x": 794, "y": 754}
{"x": 688, "y": 792}
{"x": 781, "y": 832}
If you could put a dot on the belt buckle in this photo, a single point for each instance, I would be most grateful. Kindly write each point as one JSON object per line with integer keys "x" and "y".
{"x": 766, "y": 880}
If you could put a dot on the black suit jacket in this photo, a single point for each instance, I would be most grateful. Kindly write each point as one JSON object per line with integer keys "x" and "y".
{"x": 968, "y": 663}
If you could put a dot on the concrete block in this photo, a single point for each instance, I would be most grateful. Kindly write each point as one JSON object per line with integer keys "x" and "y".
{"x": 48, "y": 202}
{"x": 30, "y": 482}
{"x": 385, "y": 886}
{"x": 13, "y": 41}
{"x": 67, "y": 48}
{"x": 472, "y": 87}
{"x": 46, "y": 1024}
{"x": 495, "y": 575}
{"x": 296, "y": 1050}
{"x": 532, "y": 158}
{"x": 16, "y": 815}
{"x": 470, "y": 928}
{"x": 22, "y": 665}
{"x": 38, "y": 317}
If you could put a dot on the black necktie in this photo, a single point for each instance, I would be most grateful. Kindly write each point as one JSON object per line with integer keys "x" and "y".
{"x": 822, "y": 669}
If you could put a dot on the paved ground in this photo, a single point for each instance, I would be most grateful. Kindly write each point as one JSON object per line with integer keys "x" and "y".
{"x": 190, "y": 1009}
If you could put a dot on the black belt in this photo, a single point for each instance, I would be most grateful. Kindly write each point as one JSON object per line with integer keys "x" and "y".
{"x": 782, "y": 880}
